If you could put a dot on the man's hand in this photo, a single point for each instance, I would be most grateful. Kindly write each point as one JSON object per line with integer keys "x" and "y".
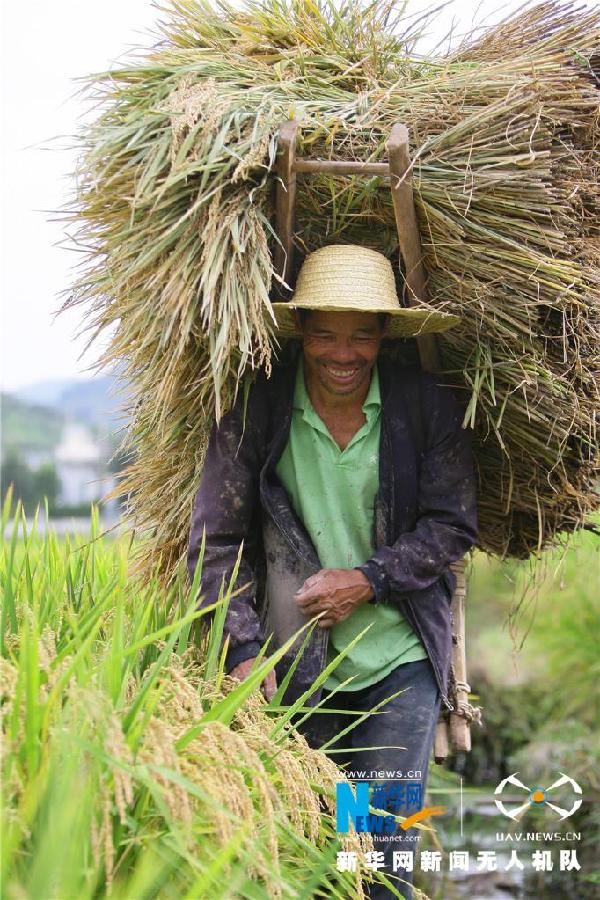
{"x": 269, "y": 685}
{"x": 335, "y": 592}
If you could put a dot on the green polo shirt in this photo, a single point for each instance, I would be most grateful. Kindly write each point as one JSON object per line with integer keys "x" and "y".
{"x": 333, "y": 492}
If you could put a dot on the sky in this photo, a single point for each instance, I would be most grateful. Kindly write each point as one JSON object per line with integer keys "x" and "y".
{"x": 45, "y": 48}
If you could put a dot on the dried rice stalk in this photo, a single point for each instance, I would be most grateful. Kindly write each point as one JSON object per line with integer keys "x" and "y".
{"x": 175, "y": 204}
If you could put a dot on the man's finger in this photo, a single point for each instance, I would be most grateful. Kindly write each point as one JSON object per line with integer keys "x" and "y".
{"x": 307, "y": 590}
{"x": 315, "y": 594}
{"x": 311, "y": 582}
{"x": 313, "y": 608}
{"x": 269, "y": 686}
{"x": 307, "y": 597}
{"x": 315, "y": 579}
{"x": 242, "y": 670}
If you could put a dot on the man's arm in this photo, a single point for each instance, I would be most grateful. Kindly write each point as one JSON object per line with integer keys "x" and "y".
{"x": 226, "y": 507}
{"x": 447, "y": 515}
{"x": 446, "y": 527}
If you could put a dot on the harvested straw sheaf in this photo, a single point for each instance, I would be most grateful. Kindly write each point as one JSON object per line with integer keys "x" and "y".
{"x": 175, "y": 206}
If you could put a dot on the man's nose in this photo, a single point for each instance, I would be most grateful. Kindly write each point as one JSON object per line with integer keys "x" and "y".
{"x": 344, "y": 352}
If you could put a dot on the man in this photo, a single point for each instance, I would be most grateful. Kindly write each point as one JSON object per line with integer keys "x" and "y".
{"x": 350, "y": 481}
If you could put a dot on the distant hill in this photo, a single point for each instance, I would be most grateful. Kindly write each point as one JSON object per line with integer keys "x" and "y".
{"x": 97, "y": 402}
{"x": 29, "y": 425}
{"x": 33, "y": 417}
{"x": 47, "y": 392}
{"x": 94, "y": 401}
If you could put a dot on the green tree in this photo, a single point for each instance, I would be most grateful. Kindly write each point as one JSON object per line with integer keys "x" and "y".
{"x": 30, "y": 486}
{"x": 15, "y": 471}
{"x": 46, "y": 483}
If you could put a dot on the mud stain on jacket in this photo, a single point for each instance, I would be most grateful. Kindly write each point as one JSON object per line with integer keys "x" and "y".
{"x": 425, "y": 517}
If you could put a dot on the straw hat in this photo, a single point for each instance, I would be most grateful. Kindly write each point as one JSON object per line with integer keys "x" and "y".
{"x": 343, "y": 277}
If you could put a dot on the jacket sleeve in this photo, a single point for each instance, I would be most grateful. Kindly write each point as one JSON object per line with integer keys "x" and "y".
{"x": 446, "y": 525}
{"x": 227, "y": 507}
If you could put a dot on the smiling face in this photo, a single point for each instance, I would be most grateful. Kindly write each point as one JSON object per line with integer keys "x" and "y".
{"x": 340, "y": 349}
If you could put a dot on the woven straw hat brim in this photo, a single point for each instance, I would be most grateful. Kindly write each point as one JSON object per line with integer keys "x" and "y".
{"x": 349, "y": 277}
{"x": 403, "y": 322}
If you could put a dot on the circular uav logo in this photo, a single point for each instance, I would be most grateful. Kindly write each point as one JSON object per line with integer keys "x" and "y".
{"x": 537, "y": 796}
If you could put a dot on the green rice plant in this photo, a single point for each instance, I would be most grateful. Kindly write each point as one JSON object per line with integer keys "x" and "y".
{"x": 132, "y": 766}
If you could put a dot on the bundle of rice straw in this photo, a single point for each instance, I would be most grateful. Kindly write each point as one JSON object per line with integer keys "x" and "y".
{"x": 175, "y": 209}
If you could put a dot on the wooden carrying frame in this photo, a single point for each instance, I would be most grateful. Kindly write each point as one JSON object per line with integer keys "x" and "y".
{"x": 453, "y": 731}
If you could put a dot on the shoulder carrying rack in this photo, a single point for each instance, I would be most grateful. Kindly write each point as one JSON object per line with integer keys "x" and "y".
{"x": 453, "y": 730}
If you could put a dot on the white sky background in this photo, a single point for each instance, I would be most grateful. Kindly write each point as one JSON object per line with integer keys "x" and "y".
{"x": 45, "y": 46}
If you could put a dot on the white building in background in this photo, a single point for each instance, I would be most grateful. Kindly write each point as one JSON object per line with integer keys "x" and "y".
{"x": 80, "y": 467}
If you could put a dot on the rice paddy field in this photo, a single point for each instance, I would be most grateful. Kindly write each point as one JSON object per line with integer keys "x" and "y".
{"x": 133, "y": 768}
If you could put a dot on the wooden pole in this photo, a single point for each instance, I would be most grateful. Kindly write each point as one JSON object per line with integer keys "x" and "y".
{"x": 342, "y": 167}
{"x": 410, "y": 248}
{"x": 408, "y": 235}
{"x": 460, "y": 731}
{"x": 285, "y": 203}
{"x": 441, "y": 747}
{"x": 455, "y": 728}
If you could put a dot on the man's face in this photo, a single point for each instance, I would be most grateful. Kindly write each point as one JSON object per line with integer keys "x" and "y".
{"x": 340, "y": 349}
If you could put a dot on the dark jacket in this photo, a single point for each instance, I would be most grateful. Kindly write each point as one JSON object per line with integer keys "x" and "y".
{"x": 425, "y": 517}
